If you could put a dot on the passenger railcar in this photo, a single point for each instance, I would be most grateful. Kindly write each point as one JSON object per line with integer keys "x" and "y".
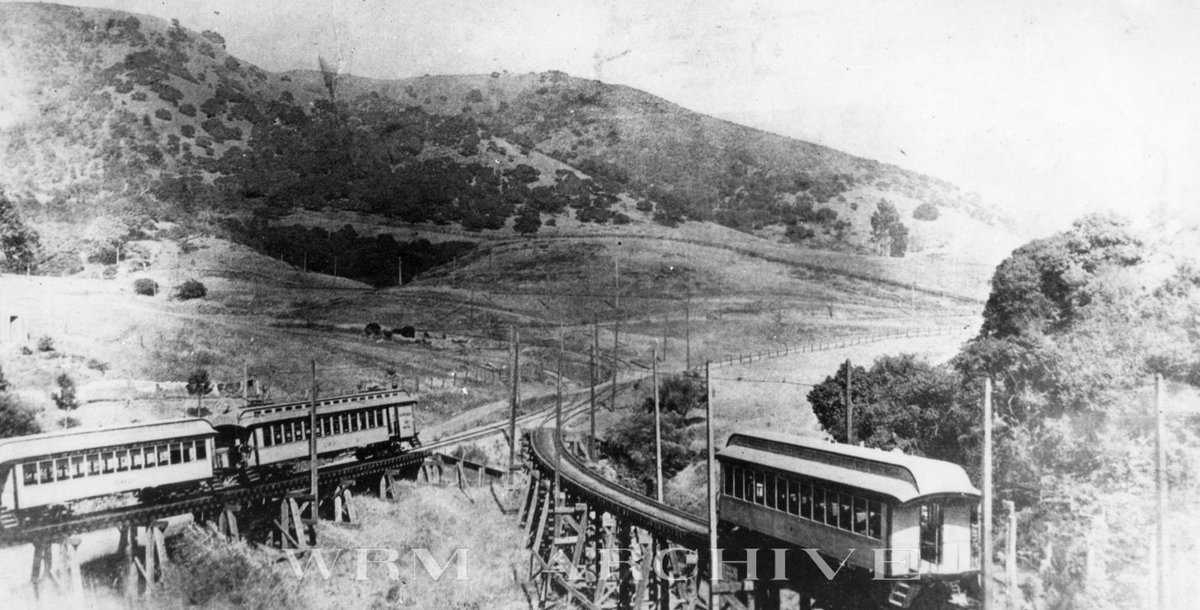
{"x": 272, "y": 436}
{"x": 910, "y": 516}
{"x": 60, "y": 468}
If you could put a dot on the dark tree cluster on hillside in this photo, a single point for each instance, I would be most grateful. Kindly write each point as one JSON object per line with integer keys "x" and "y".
{"x": 374, "y": 260}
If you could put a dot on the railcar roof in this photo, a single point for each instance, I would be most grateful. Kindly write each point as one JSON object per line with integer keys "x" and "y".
{"x": 333, "y": 404}
{"x": 22, "y": 448}
{"x": 903, "y": 477}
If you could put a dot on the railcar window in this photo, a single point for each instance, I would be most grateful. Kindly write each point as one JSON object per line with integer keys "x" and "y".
{"x": 62, "y": 467}
{"x": 287, "y": 432}
{"x": 190, "y": 454}
{"x": 874, "y": 519}
{"x": 818, "y": 504}
{"x": 781, "y": 493}
{"x": 325, "y": 427}
{"x": 164, "y": 455}
{"x": 123, "y": 460}
{"x": 806, "y": 501}
{"x": 860, "y": 516}
{"x": 758, "y": 487}
{"x": 267, "y": 440}
{"x": 769, "y": 498}
{"x": 845, "y": 514}
{"x": 93, "y": 463}
{"x": 201, "y": 450}
{"x": 135, "y": 456}
{"x": 29, "y": 473}
{"x": 176, "y": 453}
{"x": 151, "y": 458}
{"x": 727, "y": 477}
{"x": 793, "y": 490}
{"x": 77, "y": 467}
{"x": 110, "y": 462}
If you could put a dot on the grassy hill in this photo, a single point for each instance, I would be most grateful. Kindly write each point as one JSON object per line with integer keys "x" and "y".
{"x": 136, "y": 119}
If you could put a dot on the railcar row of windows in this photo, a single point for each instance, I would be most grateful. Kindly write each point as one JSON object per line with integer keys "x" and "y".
{"x": 113, "y": 460}
{"x": 813, "y": 502}
{"x": 296, "y": 430}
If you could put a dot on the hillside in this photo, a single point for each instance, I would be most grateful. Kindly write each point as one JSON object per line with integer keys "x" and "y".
{"x": 110, "y": 117}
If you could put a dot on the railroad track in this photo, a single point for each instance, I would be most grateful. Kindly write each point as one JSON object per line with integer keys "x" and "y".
{"x": 548, "y": 453}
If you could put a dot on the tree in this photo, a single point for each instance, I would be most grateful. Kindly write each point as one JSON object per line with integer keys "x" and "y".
{"x": 926, "y": 211}
{"x": 887, "y": 230}
{"x": 629, "y": 445}
{"x": 198, "y": 383}
{"x": 65, "y": 397}
{"x": 191, "y": 289}
{"x": 16, "y": 419}
{"x": 677, "y": 394}
{"x": 528, "y": 222}
{"x": 145, "y": 286}
{"x": 18, "y": 243}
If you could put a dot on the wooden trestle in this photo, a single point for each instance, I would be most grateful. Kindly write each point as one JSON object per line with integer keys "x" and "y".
{"x": 581, "y": 556}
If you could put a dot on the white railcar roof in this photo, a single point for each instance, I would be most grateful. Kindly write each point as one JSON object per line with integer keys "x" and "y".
{"x": 900, "y": 476}
{"x": 22, "y": 448}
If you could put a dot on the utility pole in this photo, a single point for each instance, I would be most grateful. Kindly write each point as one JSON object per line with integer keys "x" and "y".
{"x": 714, "y": 566}
{"x": 1160, "y": 482}
{"x": 849, "y": 408}
{"x": 512, "y": 416}
{"x": 245, "y": 382}
{"x": 985, "y": 524}
{"x": 312, "y": 442}
{"x": 335, "y": 266}
{"x": 657, "y": 424}
{"x": 399, "y": 272}
{"x": 687, "y": 331}
{"x": 666, "y": 325}
{"x": 1010, "y": 557}
{"x": 592, "y": 408}
{"x": 612, "y": 406}
{"x": 306, "y": 261}
{"x": 558, "y": 440}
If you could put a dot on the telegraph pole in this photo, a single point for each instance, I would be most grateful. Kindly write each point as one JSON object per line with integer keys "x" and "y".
{"x": 657, "y": 423}
{"x": 312, "y": 442}
{"x": 399, "y": 272}
{"x": 687, "y": 331}
{"x": 1160, "y": 481}
{"x": 849, "y": 408}
{"x": 714, "y": 566}
{"x": 985, "y": 566}
{"x": 512, "y": 417}
{"x": 592, "y": 407}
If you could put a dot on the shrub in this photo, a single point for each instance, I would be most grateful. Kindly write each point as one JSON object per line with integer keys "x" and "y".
{"x": 145, "y": 286}
{"x": 187, "y": 130}
{"x": 65, "y": 398}
{"x": 188, "y": 110}
{"x": 69, "y": 422}
{"x": 163, "y": 113}
{"x": 16, "y": 419}
{"x": 198, "y": 383}
{"x": 926, "y": 211}
{"x": 45, "y": 343}
{"x": 139, "y": 96}
{"x": 191, "y": 289}
{"x": 97, "y": 365}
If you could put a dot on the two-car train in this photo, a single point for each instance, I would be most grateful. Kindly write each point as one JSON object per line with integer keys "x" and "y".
{"x": 903, "y": 529}
{"x": 45, "y": 474}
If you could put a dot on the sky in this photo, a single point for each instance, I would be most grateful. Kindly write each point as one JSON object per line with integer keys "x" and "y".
{"x": 1048, "y": 108}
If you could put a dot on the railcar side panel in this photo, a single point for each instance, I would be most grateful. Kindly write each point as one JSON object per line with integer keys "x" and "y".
{"x": 59, "y": 479}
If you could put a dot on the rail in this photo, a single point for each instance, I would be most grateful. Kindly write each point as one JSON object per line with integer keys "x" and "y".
{"x": 673, "y": 524}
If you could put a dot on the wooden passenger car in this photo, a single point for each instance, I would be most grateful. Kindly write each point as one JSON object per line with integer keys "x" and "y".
{"x": 920, "y": 513}
{"x": 58, "y": 468}
{"x": 270, "y": 435}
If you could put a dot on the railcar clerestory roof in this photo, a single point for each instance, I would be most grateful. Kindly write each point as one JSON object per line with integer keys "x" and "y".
{"x": 902, "y": 477}
{"x": 23, "y": 448}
